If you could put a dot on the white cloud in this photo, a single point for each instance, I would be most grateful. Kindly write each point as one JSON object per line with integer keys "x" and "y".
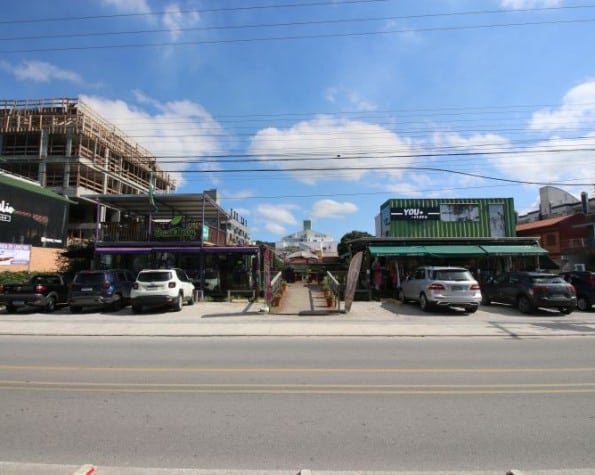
{"x": 352, "y": 99}
{"x": 525, "y": 4}
{"x": 178, "y": 132}
{"x": 131, "y": 6}
{"x": 529, "y": 164}
{"x": 276, "y": 213}
{"x": 577, "y": 110}
{"x": 328, "y": 147}
{"x": 275, "y": 228}
{"x": 275, "y": 218}
{"x": 174, "y": 19}
{"x": 332, "y": 209}
{"x": 40, "y": 71}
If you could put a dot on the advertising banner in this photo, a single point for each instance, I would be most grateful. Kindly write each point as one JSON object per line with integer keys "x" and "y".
{"x": 268, "y": 292}
{"x": 15, "y": 254}
{"x": 352, "y": 278}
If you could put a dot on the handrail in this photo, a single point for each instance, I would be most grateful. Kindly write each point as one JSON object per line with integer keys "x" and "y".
{"x": 335, "y": 288}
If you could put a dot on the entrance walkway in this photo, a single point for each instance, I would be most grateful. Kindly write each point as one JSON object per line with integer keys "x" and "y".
{"x": 303, "y": 298}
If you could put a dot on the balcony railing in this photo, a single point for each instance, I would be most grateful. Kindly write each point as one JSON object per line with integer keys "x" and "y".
{"x": 140, "y": 232}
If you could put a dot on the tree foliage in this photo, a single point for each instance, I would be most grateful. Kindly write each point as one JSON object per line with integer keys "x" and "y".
{"x": 343, "y": 248}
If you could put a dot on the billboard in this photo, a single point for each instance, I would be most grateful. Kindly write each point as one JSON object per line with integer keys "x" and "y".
{"x": 14, "y": 254}
{"x": 28, "y": 217}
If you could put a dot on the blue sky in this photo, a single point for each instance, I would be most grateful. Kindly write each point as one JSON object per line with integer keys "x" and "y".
{"x": 328, "y": 107}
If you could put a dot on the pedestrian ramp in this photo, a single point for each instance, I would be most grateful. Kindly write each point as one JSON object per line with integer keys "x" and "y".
{"x": 303, "y": 298}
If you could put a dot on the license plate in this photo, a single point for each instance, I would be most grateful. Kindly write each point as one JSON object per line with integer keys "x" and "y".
{"x": 18, "y": 302}
{"x": 87, "y": 289}
{"x": 457, "y": 287}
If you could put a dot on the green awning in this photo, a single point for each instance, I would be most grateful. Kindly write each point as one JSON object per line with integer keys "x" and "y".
{"x": 32, "y": 187}
{"x": 515, "y": 250}
{"x": 397, "y": 251}
{"x": 454, "y": 250}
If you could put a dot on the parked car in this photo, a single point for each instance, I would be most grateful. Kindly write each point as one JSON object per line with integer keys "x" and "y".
{"x": 161, "y": 287}
{"x": 434, "y": 286}
{"x": 584, "y": 283}
{"x": 44, "y": 291}
{"x": 530, "y": 290}
{"x": 212, "y": 281}
{"x": 109, "y": 289}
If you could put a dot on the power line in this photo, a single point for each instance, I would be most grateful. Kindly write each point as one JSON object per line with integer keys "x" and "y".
{"x": 194, "y": 10}
{"x": 297, "y": 37}
{"x": 278, "y": 25}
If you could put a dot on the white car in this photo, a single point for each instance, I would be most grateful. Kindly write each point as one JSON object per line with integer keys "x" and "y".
{"x": 442, "y": 287}
{"x": 161, "y": 287}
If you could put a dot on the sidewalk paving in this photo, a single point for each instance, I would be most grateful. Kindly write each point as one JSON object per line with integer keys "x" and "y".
{"x": 302, "y": 313}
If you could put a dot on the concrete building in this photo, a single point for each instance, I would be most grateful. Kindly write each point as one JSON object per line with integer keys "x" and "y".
{"x": 63, "y": 146}
{"x": 565, "y": 226}
{"x": 69, "y": 149}
{"x": 307, "y": 240}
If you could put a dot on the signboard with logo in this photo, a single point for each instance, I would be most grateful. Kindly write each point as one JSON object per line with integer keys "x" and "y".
{"x": 14, "y": 254}
{"x": 29, "y": 218}
{"x": 415, "y": 213}
{"x": 176, "y": 229}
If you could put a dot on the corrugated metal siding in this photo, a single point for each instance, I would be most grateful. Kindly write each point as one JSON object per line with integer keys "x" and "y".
{"x": 437, "y": 228}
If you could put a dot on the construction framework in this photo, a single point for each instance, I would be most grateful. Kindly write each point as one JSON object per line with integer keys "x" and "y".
{"x": 67, "y": 147}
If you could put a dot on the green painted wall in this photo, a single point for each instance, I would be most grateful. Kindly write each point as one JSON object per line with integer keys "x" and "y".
{"x": 400, "y": 226}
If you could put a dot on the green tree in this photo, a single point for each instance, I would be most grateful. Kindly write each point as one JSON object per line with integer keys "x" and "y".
{"x": 343, "y": 248}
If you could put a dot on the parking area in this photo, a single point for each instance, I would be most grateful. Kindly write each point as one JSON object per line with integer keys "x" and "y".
{"x": 384, "y": 318}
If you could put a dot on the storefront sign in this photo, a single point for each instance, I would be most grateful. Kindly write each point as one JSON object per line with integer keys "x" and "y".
{"x": 415, "y": 213}
{"x": 14, "y": 254}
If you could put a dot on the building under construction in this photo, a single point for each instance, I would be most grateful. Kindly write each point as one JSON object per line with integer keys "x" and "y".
{"x": 69, "y": 149}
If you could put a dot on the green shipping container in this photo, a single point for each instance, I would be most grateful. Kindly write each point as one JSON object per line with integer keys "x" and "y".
{"x": 448, "y": 218}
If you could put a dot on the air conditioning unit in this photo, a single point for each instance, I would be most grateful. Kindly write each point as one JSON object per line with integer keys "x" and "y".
{"x": 579, "y": 267}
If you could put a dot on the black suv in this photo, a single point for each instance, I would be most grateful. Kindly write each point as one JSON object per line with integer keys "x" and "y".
{"x": 109, "y": 289}
{"x": 530, "y": 290}
{"x": 584, "y": 283}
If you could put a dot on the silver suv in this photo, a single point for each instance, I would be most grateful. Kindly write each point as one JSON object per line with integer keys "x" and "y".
{"x": 161, "y": 287}
{"x": 442, "y": 287}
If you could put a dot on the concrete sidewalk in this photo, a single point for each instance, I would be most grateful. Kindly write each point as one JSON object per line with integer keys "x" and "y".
{"x": 302, "y": 313}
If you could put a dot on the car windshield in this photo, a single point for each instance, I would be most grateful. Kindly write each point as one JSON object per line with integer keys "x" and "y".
{"x": 154, "y": 276}
{"x": 452, "y": 274}
{"x": 547, "y": 279}
{"x": 89, "y": 278}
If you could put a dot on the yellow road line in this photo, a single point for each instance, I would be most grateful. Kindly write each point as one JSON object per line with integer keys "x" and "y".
{"x": 306, "y": 392}
{"x": 284, "y": 385}
{"x": 296, "y": 370}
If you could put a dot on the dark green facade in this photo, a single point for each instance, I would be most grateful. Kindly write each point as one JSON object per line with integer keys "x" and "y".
{"x": 448, "y": 218}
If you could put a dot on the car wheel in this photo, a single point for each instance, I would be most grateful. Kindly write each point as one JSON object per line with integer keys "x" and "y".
{"x": 471, "y": 310}
{"x": 136, "y": 308}
{"x": 582, "y": 303}
{"x": 10, "y": 308}
{"x": 485, "y": 300}
{"x": 524, "y": 305}
{"x": 75, "y": 309}
{"x": 191, "y": 300}
{"x": 424, "y": 304}
{"x": 50, "y": 306}
{"x": 117, "y": 303}
{"x": 566, "y": 310}
{"x": 179, "y": 303}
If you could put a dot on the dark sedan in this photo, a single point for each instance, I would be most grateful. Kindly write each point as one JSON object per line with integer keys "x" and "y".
{"x": 530, "y": 290}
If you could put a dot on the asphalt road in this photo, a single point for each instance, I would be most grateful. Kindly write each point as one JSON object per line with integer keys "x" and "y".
{"x": 318, "y": 403}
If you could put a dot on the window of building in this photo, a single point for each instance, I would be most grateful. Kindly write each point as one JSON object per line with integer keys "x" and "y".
{"x": 459, "y": 212}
